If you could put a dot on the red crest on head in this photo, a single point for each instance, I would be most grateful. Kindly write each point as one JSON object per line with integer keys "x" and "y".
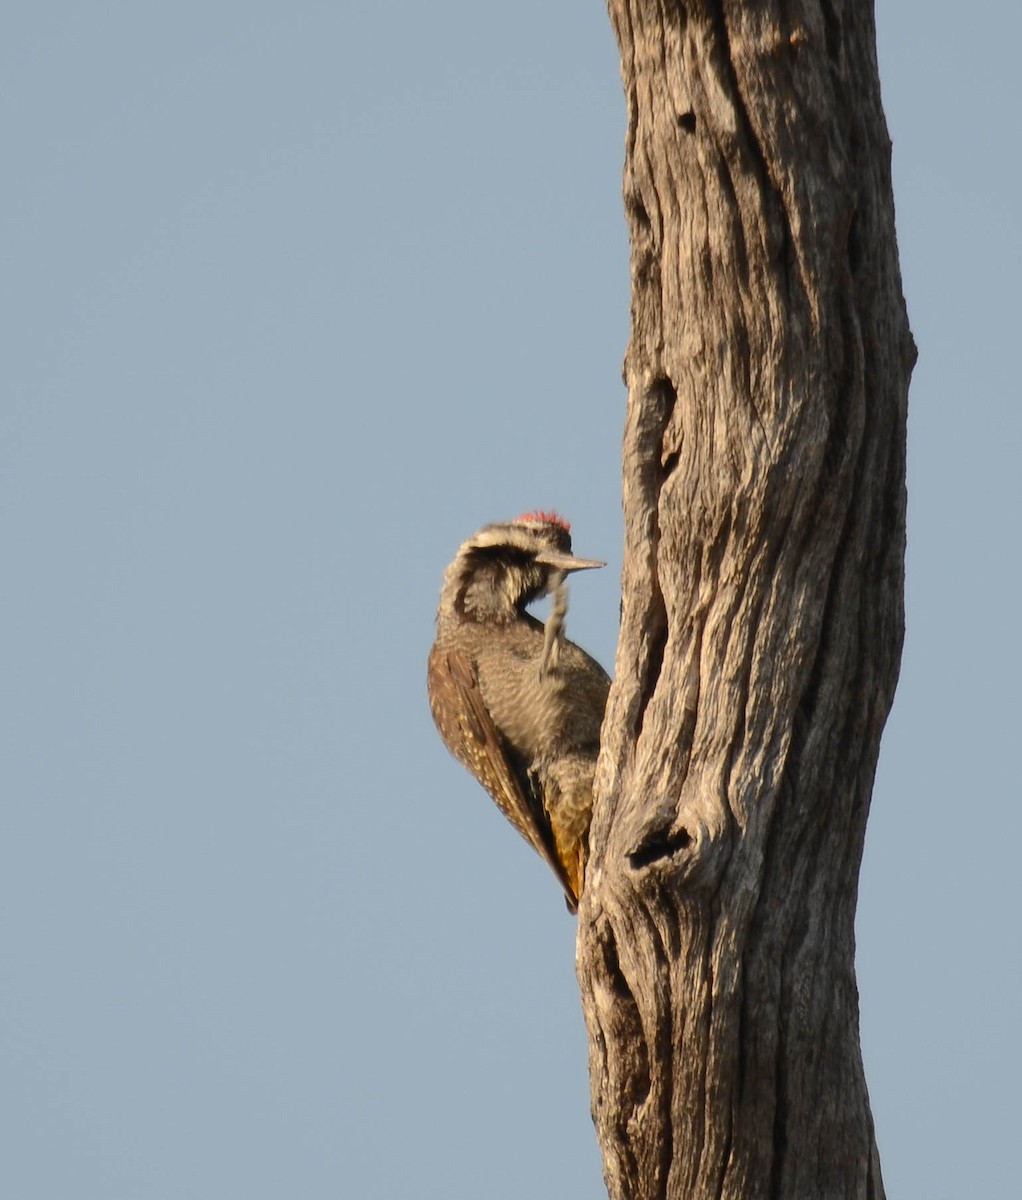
{"x": 539, "y": 517}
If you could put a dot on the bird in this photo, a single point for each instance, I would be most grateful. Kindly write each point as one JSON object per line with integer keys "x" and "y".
{"x": 513, "y": 699}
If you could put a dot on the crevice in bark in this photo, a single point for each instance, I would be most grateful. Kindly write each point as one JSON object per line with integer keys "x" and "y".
{"x": 662, "y": 844}
{"x": 725, "y": 1160}
{"x": 779, "y": 1147}
{"x": 699, "y": 1098}
{"x": 727, "y": 185}
{"x": 625, "y": 1065}
{"x": 743, "y": 684}
{"x": 831, "y": 31}
{"x": 715, "y": 550}
{"x": 645, "y": 259}
{"x": 613, "y": 974}
{"x": 747, "y": 133}
{"x": 742, "y": 1030}
{"x": 637, "y": 211}
{"x": 845, "y": 412}
{"x": 658, "y": 632}
{"x": 693, "y": 686}
{"x": 854, "y": 248}
{"x": 663, "y": 1048}
{"x": 787, "y": 259}
{"x": 810, "y": 700}
{"x": 659, "y": 400}
{"x": 770, "y": 190}
{"x": 721, "y": 1115}
{"x": 661, "y": 397}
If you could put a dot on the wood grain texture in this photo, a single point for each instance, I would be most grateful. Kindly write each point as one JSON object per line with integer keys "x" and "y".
{"x": 762, "y": 620}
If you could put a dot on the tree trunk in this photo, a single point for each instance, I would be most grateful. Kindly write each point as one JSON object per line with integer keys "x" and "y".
{"x": 764, "y": 493}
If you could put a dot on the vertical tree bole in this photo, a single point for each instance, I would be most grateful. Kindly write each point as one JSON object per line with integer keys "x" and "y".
{"x": 762, "y": 619}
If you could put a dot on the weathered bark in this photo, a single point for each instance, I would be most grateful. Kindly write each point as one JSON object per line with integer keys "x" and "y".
{"x": 764, "y": 490}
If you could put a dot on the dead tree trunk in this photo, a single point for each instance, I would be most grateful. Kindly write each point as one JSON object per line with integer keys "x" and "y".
{"x": 764, "y": 490}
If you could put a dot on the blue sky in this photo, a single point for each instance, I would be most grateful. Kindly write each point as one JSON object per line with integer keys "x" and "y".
{"x": 296, "y": 297}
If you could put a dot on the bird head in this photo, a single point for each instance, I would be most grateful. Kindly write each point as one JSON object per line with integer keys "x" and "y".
{"x": 504, "y": 567}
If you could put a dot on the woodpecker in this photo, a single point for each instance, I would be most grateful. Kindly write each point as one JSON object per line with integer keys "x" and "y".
{"x": 513, "y": 699}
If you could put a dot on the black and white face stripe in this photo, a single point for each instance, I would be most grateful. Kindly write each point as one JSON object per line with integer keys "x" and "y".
{"x": 503, "y": 568}
{"x": 527, "y": 535}
{"x": 496, "y": 574}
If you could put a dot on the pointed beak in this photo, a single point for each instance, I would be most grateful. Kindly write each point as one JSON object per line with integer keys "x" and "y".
{"x": 567, "y": 562}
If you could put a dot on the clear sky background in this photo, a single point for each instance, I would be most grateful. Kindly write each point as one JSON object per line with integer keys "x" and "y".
{"x": 295, "y": 297}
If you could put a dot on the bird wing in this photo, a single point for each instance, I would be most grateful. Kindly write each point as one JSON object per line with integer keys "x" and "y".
{"x": 470, "y": 734}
